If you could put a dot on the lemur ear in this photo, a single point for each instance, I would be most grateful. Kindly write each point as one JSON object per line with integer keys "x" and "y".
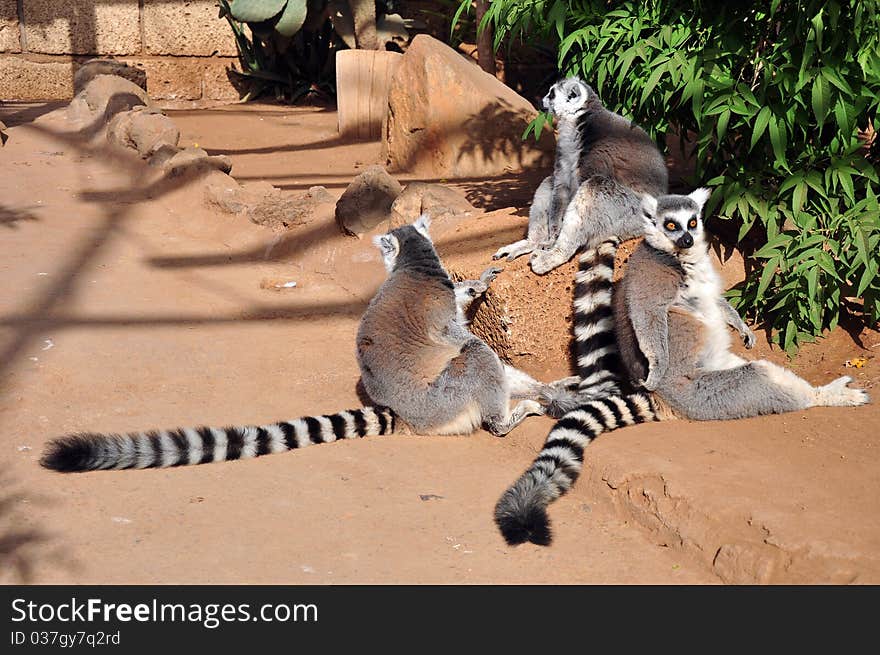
{"x": 700, "y": 196}
{"x": 389, "y": 247}
{"x": 649, "y": 210}
{"x": 422, "y": 224}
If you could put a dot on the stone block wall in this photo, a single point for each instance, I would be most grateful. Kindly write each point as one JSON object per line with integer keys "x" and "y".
{"x": 183, "y": 45}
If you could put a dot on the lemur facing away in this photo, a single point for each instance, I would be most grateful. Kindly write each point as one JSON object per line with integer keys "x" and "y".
{"x": 603, "y": 163}
{"x": 418, "y": 360}
{"x": 671, "y": 323}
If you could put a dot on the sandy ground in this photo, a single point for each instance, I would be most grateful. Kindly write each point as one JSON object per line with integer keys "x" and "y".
{"x": 129, "y": 306}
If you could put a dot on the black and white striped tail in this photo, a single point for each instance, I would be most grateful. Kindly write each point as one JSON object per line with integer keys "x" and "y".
{"x": 521, "y": 513}
{"x": 180, "y": 447}
{"x": 595, "y": 344}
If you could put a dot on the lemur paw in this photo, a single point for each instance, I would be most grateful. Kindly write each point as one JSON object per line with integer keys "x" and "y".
{"x": 748, "y": 338}
{"x": 544, "y": 261}
{"x": 489, "y": 275}
{"x": 513, "y": 250}
{"x": 565, "y": 383}
{"x": 837, "y": 393}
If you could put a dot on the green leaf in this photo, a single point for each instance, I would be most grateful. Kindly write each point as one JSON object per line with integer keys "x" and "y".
{"x": 789, "y": 344}
{"x": 254, "y": 11}
{"x": 556, "y": 16}
{"x": 721, "y": 126}
{"x": 760, "y": 126}
{"x": 778, "y": 139}
{"x": 812, "y": 282}
{"x": 821, "y": 99}
{"x": 652, "y": 82}
{"x": 868, "y": 276}
{"x": 767, "y": 275}
{"x": 799, "y": 197}
{"x": 292, "y": 18}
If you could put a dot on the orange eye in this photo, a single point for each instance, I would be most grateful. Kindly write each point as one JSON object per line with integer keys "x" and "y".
{"x": 670, "y": 226}
{"x": 693, "y": 223}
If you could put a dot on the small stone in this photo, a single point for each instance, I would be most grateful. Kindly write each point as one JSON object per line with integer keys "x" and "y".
{"x": 435, "y": 200}
{"x": 367, "y": 201}
{"x": 196, "y": 160}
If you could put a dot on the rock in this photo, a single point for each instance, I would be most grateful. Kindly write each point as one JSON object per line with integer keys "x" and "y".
{"x": 150, "y": 130}
{"x": 436, "y": 200}
{"x": 94, "y": 67}
{"x": 102, "y": 98}
{"x": 145, "y": 130}
{"x": 162, "y": 156}
{"x": 264, "y": 204}
{"x": 196, "y": 160}
{"x": 449, "y": 119}
{"x": 109, "y": 95}
{"x": 320, "y": 194}
{"x": 367, "y": 201}
{"x": 525, "y": 318}
{"x": 281, "y": 213}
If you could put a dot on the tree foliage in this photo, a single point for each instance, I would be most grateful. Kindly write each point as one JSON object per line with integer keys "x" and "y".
{"x": 779, "y": 98}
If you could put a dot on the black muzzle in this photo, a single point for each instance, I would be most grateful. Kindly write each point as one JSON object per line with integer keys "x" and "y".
{"x": 685, "y": 241}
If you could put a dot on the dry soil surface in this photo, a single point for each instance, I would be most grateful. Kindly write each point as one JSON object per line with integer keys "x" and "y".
{"x": 128, "y": 305}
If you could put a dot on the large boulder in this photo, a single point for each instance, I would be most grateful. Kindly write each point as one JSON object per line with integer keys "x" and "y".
{"x": 449, "y": 119}
{"x": 366, "y": 202}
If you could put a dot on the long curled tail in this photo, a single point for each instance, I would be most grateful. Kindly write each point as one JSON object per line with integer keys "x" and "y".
{"x": 521, "y": 513}
{"x": 598, "y": 360}
{"x": 89, "y": 451}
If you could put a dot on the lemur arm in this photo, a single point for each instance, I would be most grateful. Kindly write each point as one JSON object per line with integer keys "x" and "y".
{"x": 539, "y": 220}
{"x": 560, "y": 197}
{"x": 651, "y": 328}
{"x": 735, "y": 321}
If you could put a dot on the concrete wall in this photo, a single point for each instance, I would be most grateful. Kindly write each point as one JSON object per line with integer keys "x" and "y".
{"x": 182, "y": 45}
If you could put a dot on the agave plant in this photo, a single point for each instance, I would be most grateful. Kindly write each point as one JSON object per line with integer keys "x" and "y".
{"x": 284, "y": 16}
{"x": 290, "y": 45}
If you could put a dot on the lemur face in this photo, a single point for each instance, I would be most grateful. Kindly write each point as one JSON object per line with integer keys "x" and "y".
{"x": 673, "y": 223}
{"x": 567, "y": 97}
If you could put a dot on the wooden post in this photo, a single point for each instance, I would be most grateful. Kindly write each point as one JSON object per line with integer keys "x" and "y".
{"x": 363, "y": 79}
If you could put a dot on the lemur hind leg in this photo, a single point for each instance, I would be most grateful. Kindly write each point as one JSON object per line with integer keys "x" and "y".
{"x": 540, "y": 222}
{"x": 522, "y": 385}
{"x": 524, "y": 408}
{"x": 756, "y": 388}
{"x": 476, "y": 384}
{"x": 600, "y": 209}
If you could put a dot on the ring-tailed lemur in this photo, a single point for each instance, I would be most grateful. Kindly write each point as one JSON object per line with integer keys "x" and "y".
{"x": 603, "y": 163}
{"x": 671, "y": 323}
{"x": 417, "y": 358}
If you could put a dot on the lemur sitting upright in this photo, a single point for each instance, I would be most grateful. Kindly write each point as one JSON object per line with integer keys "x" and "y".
{"x": 672, "y": 326}
{"x": 603, "y": 163}
{"x": 417, "y": 358}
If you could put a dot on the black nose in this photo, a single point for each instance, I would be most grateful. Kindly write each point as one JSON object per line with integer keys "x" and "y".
{"x": 685, "y": 241}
